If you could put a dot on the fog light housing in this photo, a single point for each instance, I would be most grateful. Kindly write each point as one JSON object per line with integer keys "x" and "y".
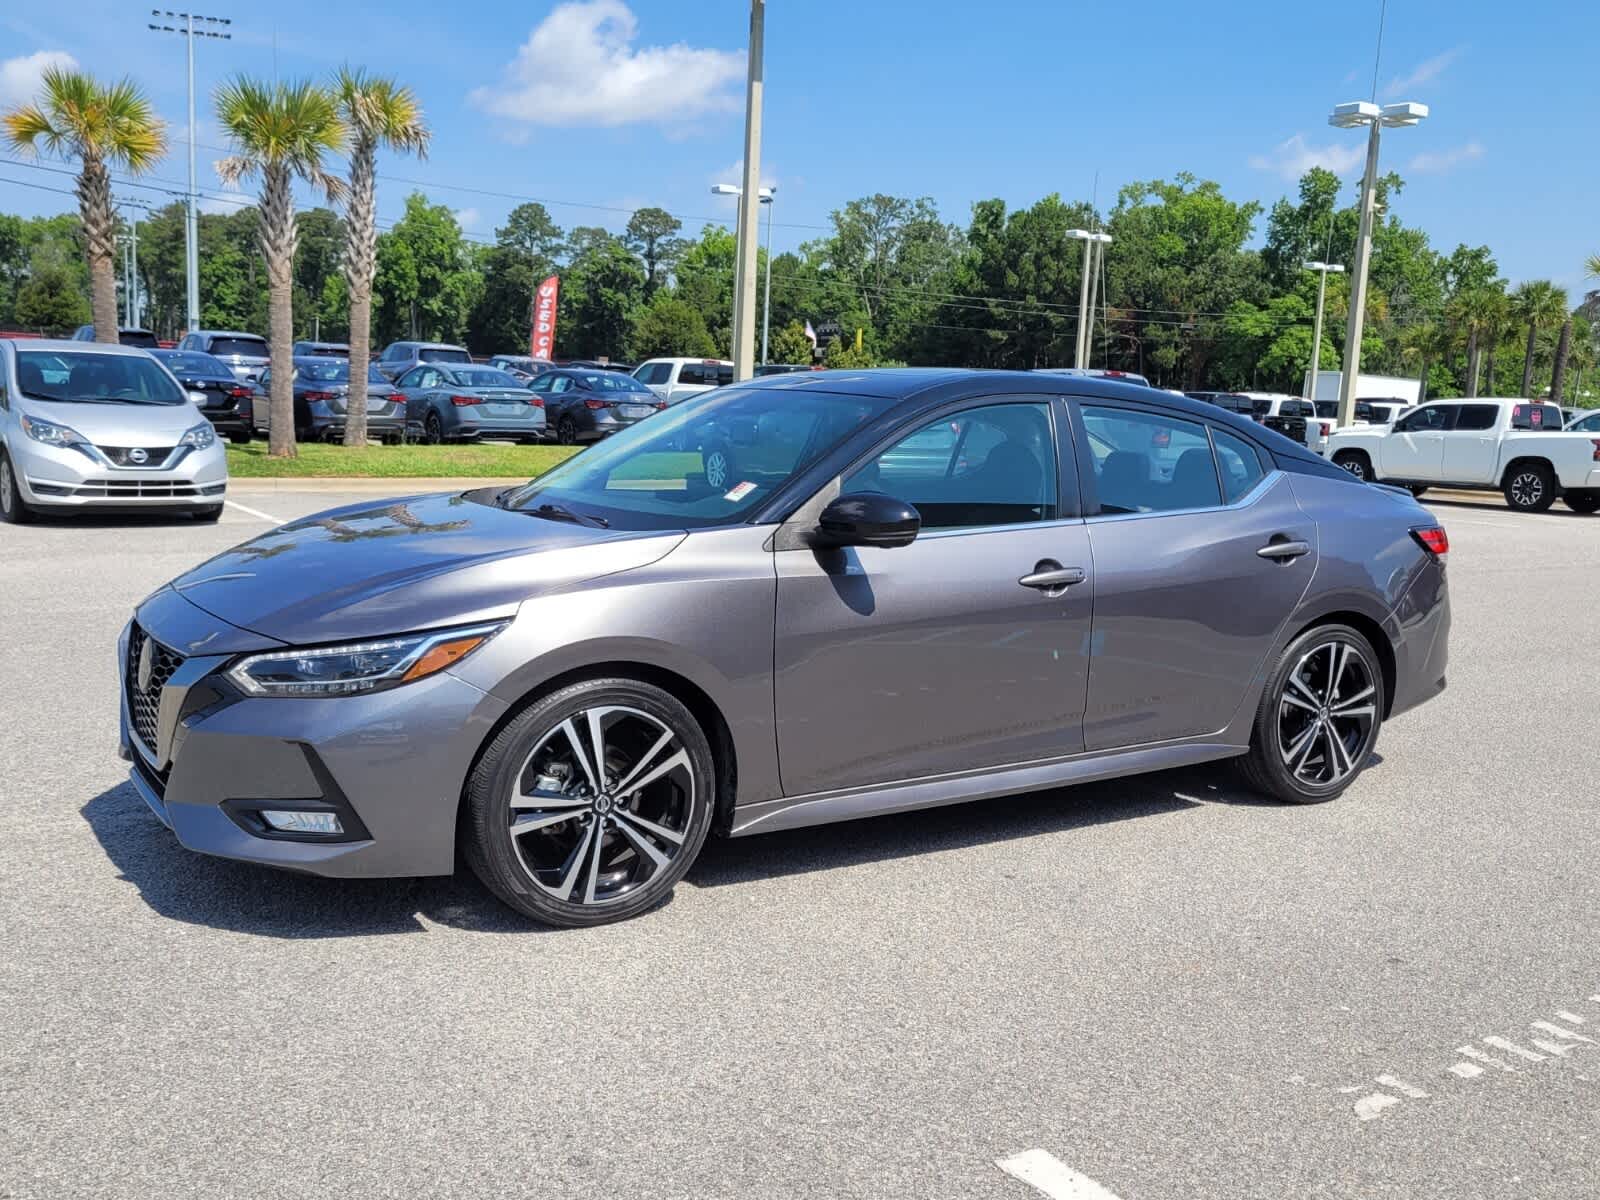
{"x": 319, "y": 824}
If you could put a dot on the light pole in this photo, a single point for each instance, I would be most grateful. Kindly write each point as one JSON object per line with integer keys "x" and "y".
{"x": 1322, "y": 270}
{"x": 1090, "y": 240}
{"x": 191, "y": 228}
{"x": 765, "y": 196}
{"x": 744, "y": 276}
{"x": 1351, "y": 116}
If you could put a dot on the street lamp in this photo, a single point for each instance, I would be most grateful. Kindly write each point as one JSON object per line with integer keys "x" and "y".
{"x": 765, "y": 196}
{"x": 1351, "y": 116}
{"x": 1090, "y": 240}
{"x": 191, "y": 228}
{"x": 744, "y": 274}
{"x": 1322, "y": 270}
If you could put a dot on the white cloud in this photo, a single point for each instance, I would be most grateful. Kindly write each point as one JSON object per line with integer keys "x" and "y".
{"x": 1295, "y": 156}
{"x": 1423, "y": 73}
{"x": 579, "y": 67}
{"x": 20, "y": 77}
{"x": 467, "y": 218}
{"x": 1445, "y": 160}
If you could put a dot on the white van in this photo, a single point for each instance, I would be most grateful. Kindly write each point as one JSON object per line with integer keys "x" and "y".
{"x": 675, "y": 379}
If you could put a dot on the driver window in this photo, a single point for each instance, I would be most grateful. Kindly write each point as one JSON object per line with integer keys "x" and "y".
{"x": 1433, "y": 417}
{"x": 984, "y": 466}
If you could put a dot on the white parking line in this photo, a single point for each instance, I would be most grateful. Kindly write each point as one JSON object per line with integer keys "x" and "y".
{"x": 1500, "y": 1043}
{"x": 254, "y": 512}
{"x": 1405, "y": 1089}
{"x": 1372, "y": 1106}
{"x": 1045, "y": 1172}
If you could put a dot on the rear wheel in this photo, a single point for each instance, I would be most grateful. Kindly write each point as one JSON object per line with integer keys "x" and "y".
{"x": 1587, "y": 501}
{"x": 1417, "y": 492}
{"x": 1318, "y": 719}
{"x": 1356, "y": 462}
{"x": 432, "y": 429}
{"x": 591, "y": 804}
{"x": 13, "y": 509}
{"x": 209, "y": 515}
{"x": 239, "y": 439}
{"x": 1530, "y": 487}
{"x": 567, "y": 431}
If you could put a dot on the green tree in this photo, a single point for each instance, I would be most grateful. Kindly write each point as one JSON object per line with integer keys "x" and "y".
{"x": 427, "y": 282}
{"x": 50, "y": 301}
{"x": 378, "y": 113}
{"x": 1540, "y": 305}
{"x": 601, "y": 287}
{"x": 103, "y": 126}
{"x": 668, "y": 327}
{"x": 652, "y": 234}
{"x": 1479, "y": 311}
{"x": 790, "y": 344}
{"x": 705, "y": 280}
{"x": 524, "y": 254}
{"x": 842, "y": 355}
{"x": 1303, "y": 232}
{"x": 281, "y": 132}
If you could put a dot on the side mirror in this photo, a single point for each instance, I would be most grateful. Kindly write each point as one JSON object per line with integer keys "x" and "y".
{"x": 197, "y": 398}
{"x": 868, "y": 519}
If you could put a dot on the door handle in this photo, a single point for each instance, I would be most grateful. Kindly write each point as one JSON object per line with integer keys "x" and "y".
{"x": 1051, "y": 576}
{"x": 1285, "y": 550}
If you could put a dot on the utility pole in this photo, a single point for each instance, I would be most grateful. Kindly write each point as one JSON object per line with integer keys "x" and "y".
{"x": 749, "y": 228}
{"x": 191, "y": 228}
{"x": 1322, "y": 270}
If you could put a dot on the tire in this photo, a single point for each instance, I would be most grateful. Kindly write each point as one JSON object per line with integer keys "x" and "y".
{"x": 239, "y": 439}
{"x": 1357, "y": 463}
{"x": 1291, "y": 755}
{"x": 1585, "y": 502}
{"x": 1530, "y": 488}
{"x": 13, "y": 509}
{"x": 209, "y": 515}
{"x": 718, "y": 467}
{"x": 1417, "y": 492}
{"x": 567, "y": 432}
{"x": 648, "y": 838}
{"x": 432, "y": 429}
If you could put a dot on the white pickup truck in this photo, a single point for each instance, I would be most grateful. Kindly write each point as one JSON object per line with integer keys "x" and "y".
{"x": 1515, "y": 447}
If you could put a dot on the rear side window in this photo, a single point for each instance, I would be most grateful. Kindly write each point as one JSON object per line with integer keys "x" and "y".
{"x": 1535, "y": 416}
{"x": 1477, "y": 416}
{"x": 1146, "y": 462}
{"x": 1238, "y": 463}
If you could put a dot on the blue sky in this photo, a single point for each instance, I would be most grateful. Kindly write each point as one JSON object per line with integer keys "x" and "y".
{"x": 619, "y": 103}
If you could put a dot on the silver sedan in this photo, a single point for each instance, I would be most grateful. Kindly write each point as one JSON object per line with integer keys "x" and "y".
{"x": 446, "y": 402}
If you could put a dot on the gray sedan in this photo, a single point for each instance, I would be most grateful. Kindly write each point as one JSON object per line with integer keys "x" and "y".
{"x": 447, "y": 403}
{"x": 912, "y": 588}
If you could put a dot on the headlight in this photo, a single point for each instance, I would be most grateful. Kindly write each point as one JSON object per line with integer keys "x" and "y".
{"x": 358, "y": 668}
{"x": 52, "y": 434}
{"x": 199, "y": 437}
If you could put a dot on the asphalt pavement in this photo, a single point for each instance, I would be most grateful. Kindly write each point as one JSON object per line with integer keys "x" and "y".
{"x": 1174, "y": 989}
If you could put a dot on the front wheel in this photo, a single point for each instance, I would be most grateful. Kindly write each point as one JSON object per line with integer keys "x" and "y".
{"x": 239, "y": 439}
{"x": 1530, "y": 488}
{"x": 1318, "y": 719}
{"x": 591, "y": 804}
{"x": 1357, "y": 463}
{"x": 1417, "y": 492}
{"x": 13, "y": 509}
{"x": 208, "y": 515}
{"x": 1585, "y": 502}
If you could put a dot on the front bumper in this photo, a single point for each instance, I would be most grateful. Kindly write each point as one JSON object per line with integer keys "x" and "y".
{"x": 58, "y": 477}
{"x": 393, "y": 763}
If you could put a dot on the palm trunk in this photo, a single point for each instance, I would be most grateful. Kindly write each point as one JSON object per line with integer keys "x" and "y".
{"x": 277, "y": 232}
{"x": 1558, "y": 374}
{"x": 100, "y": 241}
{"x": 360, "y": 265}
{"x": 1472, "y": 364}
{"x": 1489, "y": 365}
{"x": 1527, "y": 362}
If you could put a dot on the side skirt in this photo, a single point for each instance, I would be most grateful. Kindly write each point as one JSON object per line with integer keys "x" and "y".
{"x": 821, "y": 808}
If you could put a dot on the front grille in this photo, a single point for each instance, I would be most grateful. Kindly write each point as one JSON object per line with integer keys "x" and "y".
{"x": 139, "y": 489}
{"x": 126, "y": 456}
{"x": 144, "y": 703}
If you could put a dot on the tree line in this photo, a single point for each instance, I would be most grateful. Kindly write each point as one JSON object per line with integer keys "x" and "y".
{"x": 1186, "y": 295}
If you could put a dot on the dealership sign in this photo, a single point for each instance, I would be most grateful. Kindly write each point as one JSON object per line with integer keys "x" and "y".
{"x": 542, "y": 338}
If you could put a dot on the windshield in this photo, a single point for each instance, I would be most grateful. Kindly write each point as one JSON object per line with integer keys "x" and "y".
{"x": 141, "y": 338}
{"x": 483, "y": 377}
{"x": 248, "y": 347}
{"x": 331, "y": 370}
{"x": 328, "y": 351}
{"x": 434, "y": 354}
{"x": 658, "y": 474}
{"x": 87, "y": 378}
{"x": 190, "y": 362}
{"x": 610, "y": 381}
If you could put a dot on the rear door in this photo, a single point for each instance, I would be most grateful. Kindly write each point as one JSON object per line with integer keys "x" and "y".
{"x": 933, "y": 658}
{"x": 1472, "y": 444}
{"x": 1186, "y": 606}
{"x": 1414, "y": 446}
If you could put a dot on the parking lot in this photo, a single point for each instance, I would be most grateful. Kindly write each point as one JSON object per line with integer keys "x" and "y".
{"x": 1173, "y": 988}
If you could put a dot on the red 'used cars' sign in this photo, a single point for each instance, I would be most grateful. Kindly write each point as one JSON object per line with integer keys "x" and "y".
{"x": 542, "y": 337}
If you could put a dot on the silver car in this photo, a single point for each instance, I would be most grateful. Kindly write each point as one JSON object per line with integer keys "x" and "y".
{"x": 83, "y": 425}
{"x": 446, "y": 402}
{"x": 911, "y": 588}
{"x": 245, "y": 354}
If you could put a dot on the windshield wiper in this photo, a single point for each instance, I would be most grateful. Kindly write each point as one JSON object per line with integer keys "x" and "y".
{"x": 554, "y": 512}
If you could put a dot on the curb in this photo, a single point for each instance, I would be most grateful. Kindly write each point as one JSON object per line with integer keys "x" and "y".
{"x": 395, "y": 485}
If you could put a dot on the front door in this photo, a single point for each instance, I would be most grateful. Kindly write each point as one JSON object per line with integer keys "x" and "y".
{"x": 1186, "y": 607}
{"x": 1414, "y": 447}
{"x": 933, "y": 658}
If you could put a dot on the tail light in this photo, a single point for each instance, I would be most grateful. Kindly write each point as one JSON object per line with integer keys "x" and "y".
{"x": 536, "y": 401}
{"x": 1434, "y": 540}
{"x": 238, "y": 393}
{"x": 465, "y": 401}
{"x": 319, "y": 395}
{"x": 661, "y": 406}
{"x": 597, "y": 405}
{"x": 1596, "y": 442}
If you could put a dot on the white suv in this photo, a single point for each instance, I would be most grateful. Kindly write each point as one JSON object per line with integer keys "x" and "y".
{"x": 675, "y": 379}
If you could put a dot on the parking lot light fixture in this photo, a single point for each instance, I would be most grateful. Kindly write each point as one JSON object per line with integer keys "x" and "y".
{"x": 1087, "y": 238}
{"x": 1351, "y": 116}
{"x": 1323, "y": 270}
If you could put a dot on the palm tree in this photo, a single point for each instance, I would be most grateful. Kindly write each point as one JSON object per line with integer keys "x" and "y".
{"x": 378, "y": 112}
{"x": 1426, "y": 343}
{"x": 1539, "y": 304}
{"x": 1478, "y": 311}
{"x": 1558, "y": 372}
{"x": 103, "y": 127}
{"x": 282, "y": 132}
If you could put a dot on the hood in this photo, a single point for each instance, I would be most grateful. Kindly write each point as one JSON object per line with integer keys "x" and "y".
{"x": 122, "y": 424}
{"x": 390, "y": 566}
